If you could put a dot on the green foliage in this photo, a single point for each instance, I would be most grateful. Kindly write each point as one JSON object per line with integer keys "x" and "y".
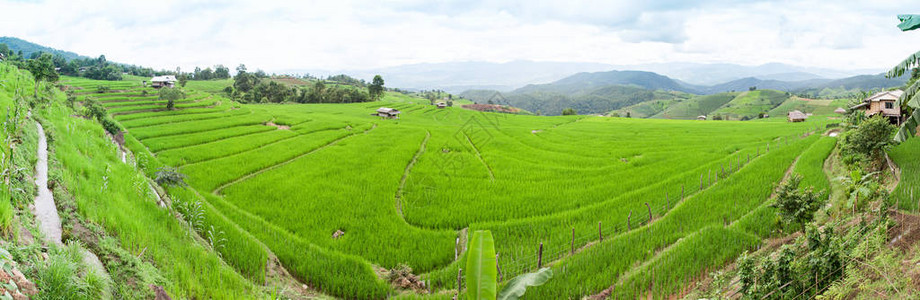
{"x": 796, "y": 206}
{"x": 571, "y": 111}
{"x": 64, "y": 276}
{"x": 868, "y": 142}
{"x": 169, "y": 176}
{"x": 111, "y": 126}
{"x": 375, "y": 89}
{"x": 171, "y": 95}
{"x": 42, "y": 69}
{"x": 93, "y": 109}
{"x": 481, "y": 271}
{"x": 805, "y": 267}
{"x": 516, "y": 287}
{"x": 102, "y": 89}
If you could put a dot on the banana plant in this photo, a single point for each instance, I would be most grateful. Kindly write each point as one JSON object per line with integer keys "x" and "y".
{"x": 482, "y": 272}
{"x": 910, "y": 100}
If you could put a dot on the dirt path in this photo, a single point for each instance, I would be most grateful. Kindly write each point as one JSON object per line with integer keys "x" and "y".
{"x": 402, "y": 181}
{"x": 49, "y": 222}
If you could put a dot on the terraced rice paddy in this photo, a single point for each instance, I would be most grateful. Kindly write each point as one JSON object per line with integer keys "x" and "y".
{"x": 615, "y": 202}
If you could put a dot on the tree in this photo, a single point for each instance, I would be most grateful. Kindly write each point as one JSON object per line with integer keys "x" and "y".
{"x": 42, "y": 69}
{"x": 221, "y": 72}
{"x": 375, "y": 89}
{"x": 569, "y": 112}
{"x": 171, "y": 95}
{"x": 796, "y": 207}
{"x": 868, "y": 141}
{"x": 183, "y": 79}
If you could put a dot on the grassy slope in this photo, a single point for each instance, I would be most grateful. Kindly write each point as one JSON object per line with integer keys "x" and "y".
{"x": 817, "y": 107}
{"x": 700, "y": 105}
{"x": 647, "y": 109}
{"x": 750, "y": 104}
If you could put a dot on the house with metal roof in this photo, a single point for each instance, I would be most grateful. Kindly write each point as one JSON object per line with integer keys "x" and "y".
{"x": 163, "y": 81}
{"x": 883, "y": 103}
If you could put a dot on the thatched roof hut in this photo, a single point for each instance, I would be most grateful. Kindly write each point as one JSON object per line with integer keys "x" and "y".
{"x": 797, "y": 116}
{"x": 840, "y": 110}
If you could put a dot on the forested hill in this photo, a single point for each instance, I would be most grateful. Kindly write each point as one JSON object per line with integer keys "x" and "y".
{"x": 27, "y": 48}
{"x": 602, "y": 92}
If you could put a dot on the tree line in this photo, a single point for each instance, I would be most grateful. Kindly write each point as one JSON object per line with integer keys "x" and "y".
{"x": 258, "y": 88}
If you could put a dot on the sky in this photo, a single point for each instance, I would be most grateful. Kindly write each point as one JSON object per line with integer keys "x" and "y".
{"x": 356, "y": 35}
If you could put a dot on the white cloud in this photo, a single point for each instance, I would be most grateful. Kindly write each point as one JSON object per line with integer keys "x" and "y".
{"x": 285, "y": 35}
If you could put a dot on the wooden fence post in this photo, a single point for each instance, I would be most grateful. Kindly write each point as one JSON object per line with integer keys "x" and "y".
{"x": 649, "y": 212}
{"x": 600, "y": 233}
{"x": 573, "y": 240}
{"x": 628, "y": 221}
{"x": 540, "y": 257}
{"x": 681, "y": 192}
{"x": 501, "y": 276}
{"x": 701, "y": 181}
{"x": 459, "y": 282}
{"x": 667, "y": 201}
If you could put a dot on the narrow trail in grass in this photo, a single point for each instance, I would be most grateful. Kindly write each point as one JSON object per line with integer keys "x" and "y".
{"x": 281, "y": 164}
{"x": 479, "y": 155}
{"x": 49, "y": 222}
{"x": 402, "y": 181}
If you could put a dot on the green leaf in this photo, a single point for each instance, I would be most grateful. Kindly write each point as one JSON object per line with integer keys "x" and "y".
{"x": 909, "y": 127}
{"x": 909, "y": 22}
{"x": 517, "y": 286}
{"x": 481, "y": 269}
{"x": 905, "y": 65}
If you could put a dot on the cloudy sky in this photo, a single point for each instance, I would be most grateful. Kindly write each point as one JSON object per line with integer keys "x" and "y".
{"x": 343, "y": 34}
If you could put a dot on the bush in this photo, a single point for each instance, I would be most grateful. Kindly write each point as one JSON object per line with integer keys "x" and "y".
{"x": 796, "y": 207}
{"x": 102, "y": 89}
{"x": 110, "y": 126}
{"x": 93, "y": 109}
{"x": 868, "y": 142}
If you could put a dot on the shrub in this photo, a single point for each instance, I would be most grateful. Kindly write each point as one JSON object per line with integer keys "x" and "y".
{"x": 110, "y": 126}
{"x": 796, "y": 207}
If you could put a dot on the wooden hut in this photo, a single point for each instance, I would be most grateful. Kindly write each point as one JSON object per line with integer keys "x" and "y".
{"x": 441, "y": 104}
{"x": 797, "y": 116}
{"x": 701, "y": 117}
{"x": 386, "y": 112}
{"x": 840, "y": 110}
{"x": 163, "y": 81}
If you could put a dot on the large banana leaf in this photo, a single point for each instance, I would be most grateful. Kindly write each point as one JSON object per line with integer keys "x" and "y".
{"x": 909, "y": 22}
{"x": 905, "y": 65}
{"x": 910, "y": 96}
{"x": 481, "y": 269}
{"x": 517, "y": 286}
{"x": 909, "y": 127}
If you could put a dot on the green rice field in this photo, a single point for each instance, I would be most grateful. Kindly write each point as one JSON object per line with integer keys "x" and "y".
{"x": 336, "y": 193}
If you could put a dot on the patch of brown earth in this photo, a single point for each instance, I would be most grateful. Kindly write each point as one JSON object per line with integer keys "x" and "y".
{"x": 281, "y": 127}
{"x": 905, "y": 234}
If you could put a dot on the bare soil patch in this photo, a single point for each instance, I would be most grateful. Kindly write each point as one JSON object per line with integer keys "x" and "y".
{"x": 281, "y": 127}
{"x": 491, "y": 108}
{"x": 906, "y": 233}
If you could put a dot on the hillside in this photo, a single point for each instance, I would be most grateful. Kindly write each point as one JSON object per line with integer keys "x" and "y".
{"x": 748, "y": 105}
{"x": 813, "y": 106}
{"x": 28, "y": 48}
{"x": 696, "y": 106}
{"x": 581, "y": 82}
